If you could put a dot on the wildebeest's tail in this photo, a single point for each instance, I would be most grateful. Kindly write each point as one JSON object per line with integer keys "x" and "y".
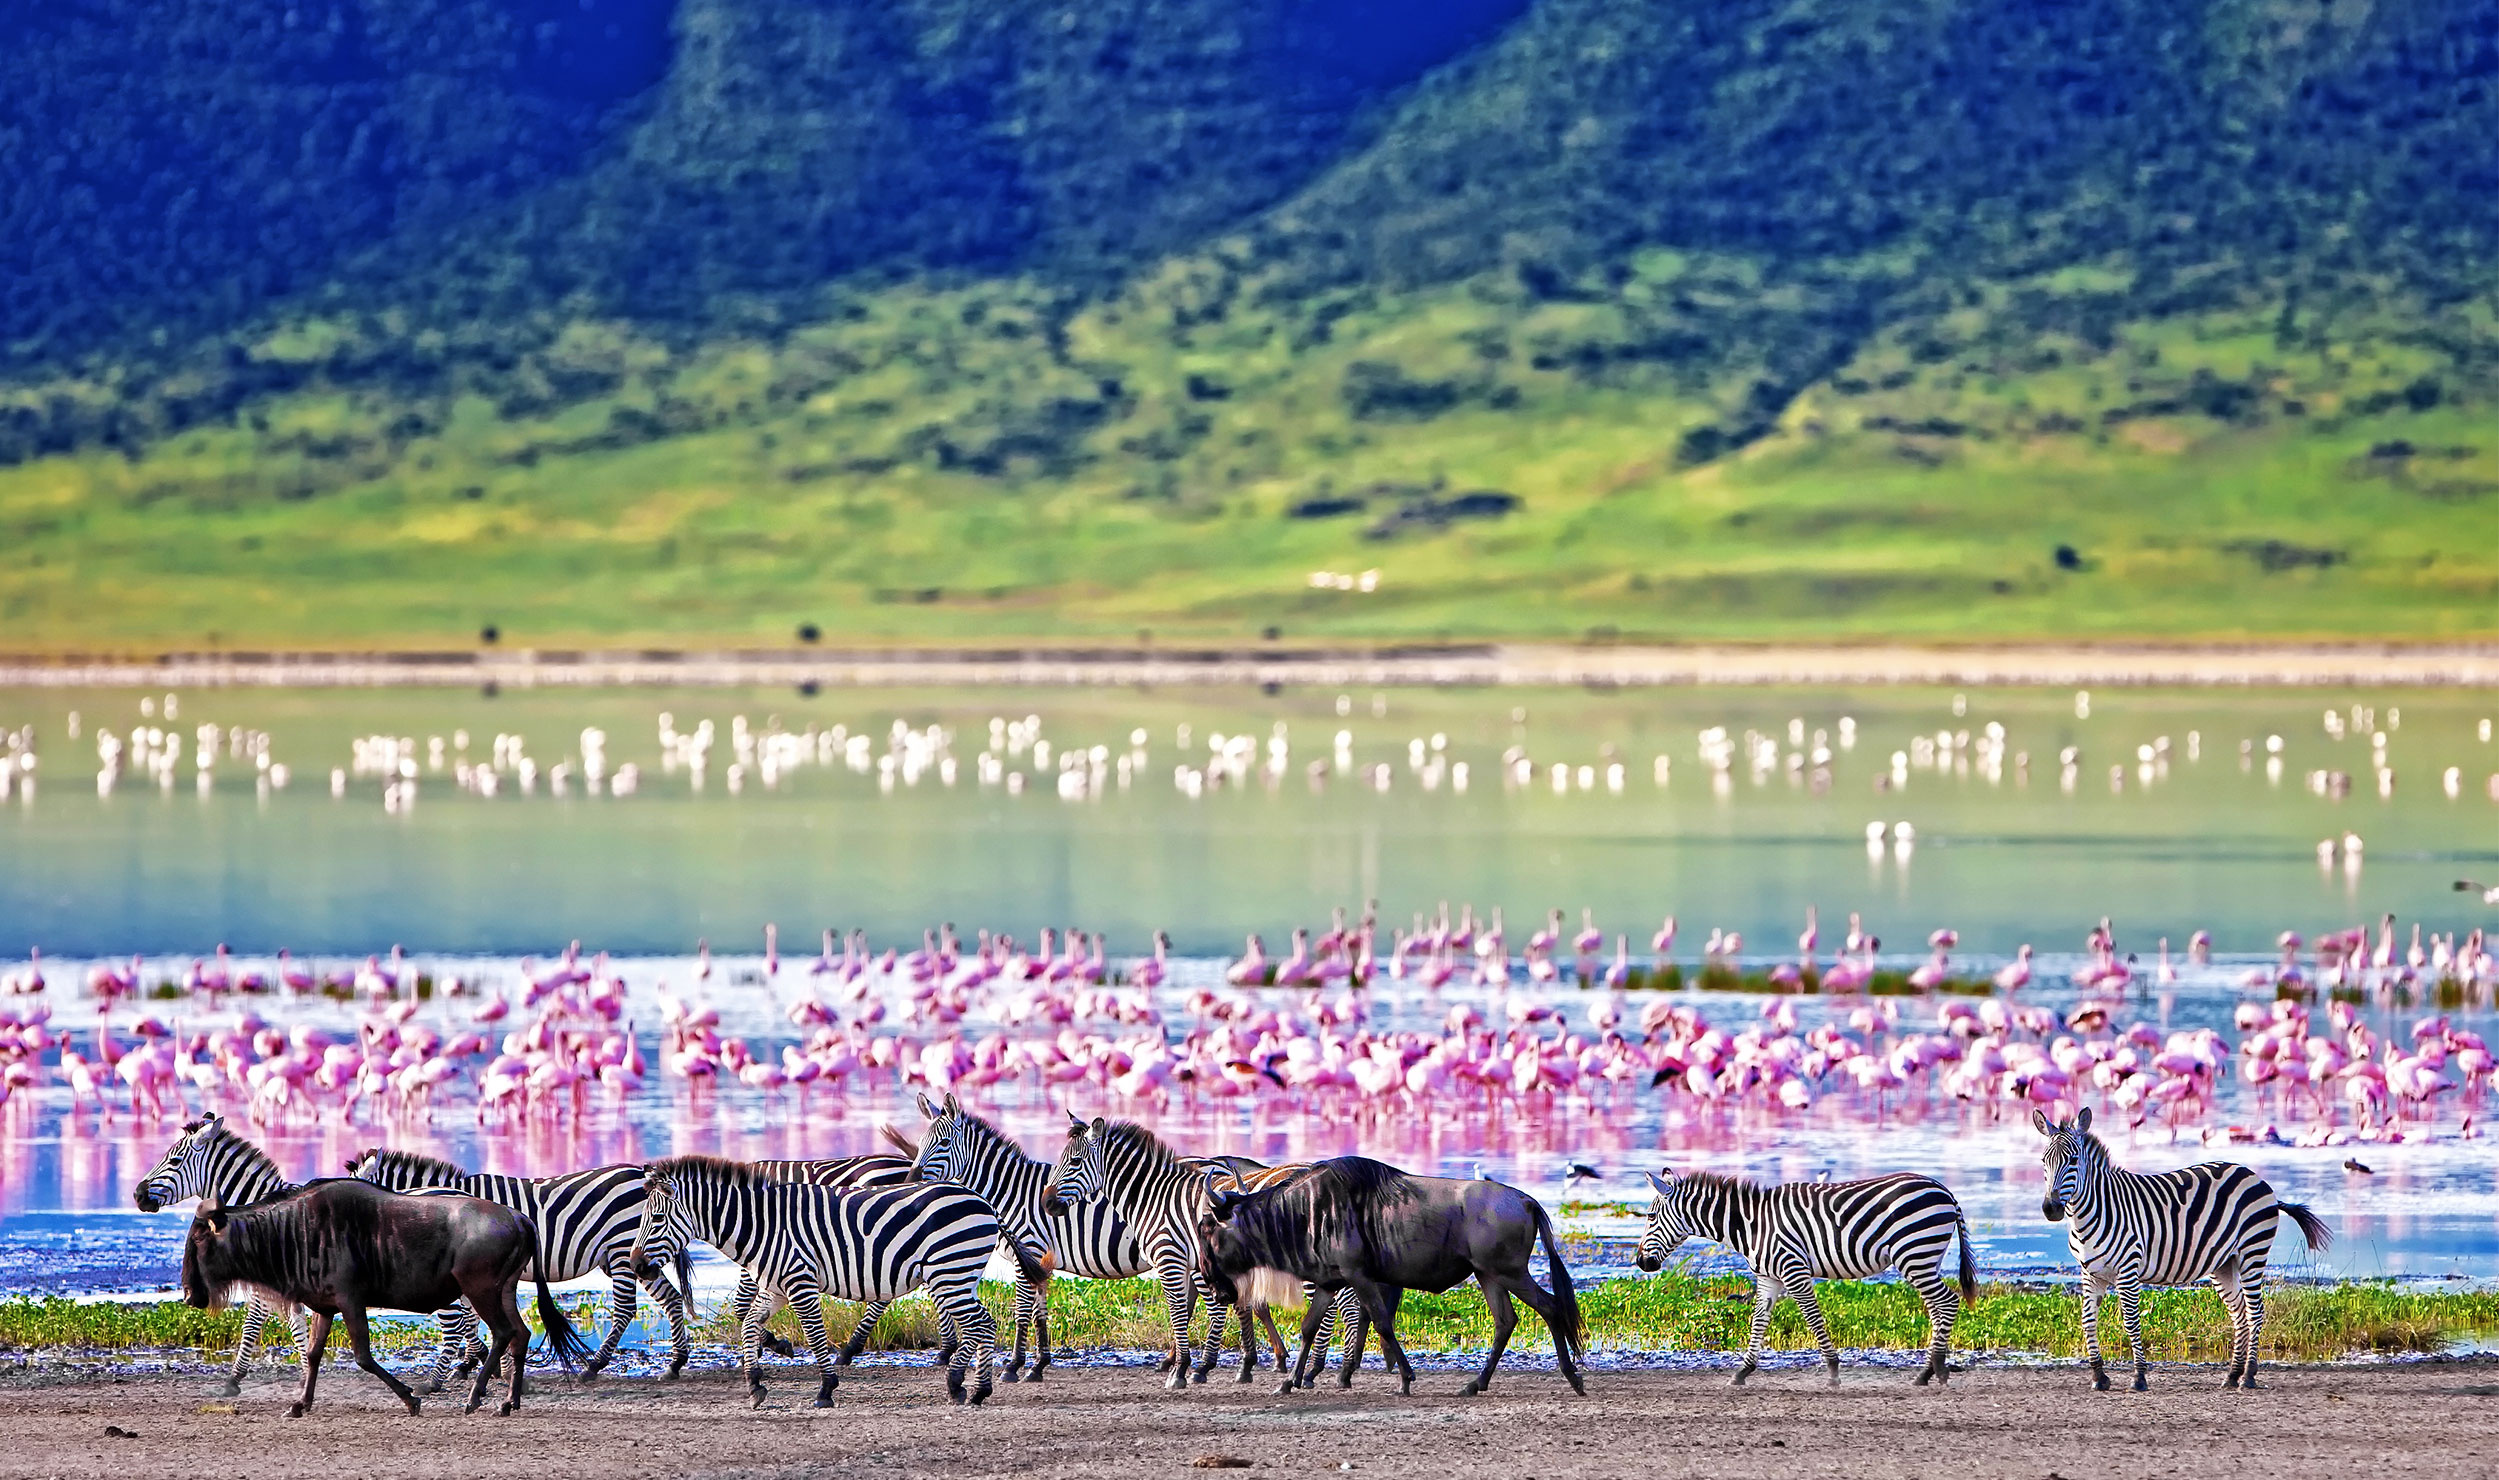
{"x": 1565, "y": 1299}
{"x": 2311, "y": 1227}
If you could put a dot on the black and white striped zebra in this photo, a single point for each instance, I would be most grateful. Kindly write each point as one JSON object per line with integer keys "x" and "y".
{"x": 586, "y": 1224}
{"x": 851, "y": 1174}
{"x": 803, "y": 1243}
{"x": 1160, "y": 1194}
{"x": 1796, "y": 1233}
{"x": 2127, "y": 1229}
{"x": 1085, "y": 1239}
{"x": 210, "y": 1160}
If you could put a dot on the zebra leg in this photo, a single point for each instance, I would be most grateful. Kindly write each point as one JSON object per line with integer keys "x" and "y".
{"x": 1943, "y": 1309}
{"x": 1318, "y": 1334}
{"x": 255, "y": 1320}
{"x": 680, "y": 1327}
{"x": 1180, "y": 1303}
{"x": 809, "y": 1304}
{"x": 1027, "y": 1300}
{"x": 1504, "y": 1321}
{"x": 1801, "y": 1287}
{"x": 860, "y": 1333}
{"x": 2093, "y": 1288}
{"x": 976, "y": 1340}
{"x": 1041, "y": 1333}
{"x": 459, "y": 1329}
{"x": 1765, "y": 1296}
{"x": 751, "y": 1344}
{"x": 1357, "y": 1332}
{"x": 620, "y": 1308}
{"x": 2130, "y": 1305}
{"x": 743, "y": 1301}
{"x": 1312, "y": 1315}
{"x": 2252, "y": 1300}
{"x": 1217, "y": 1313}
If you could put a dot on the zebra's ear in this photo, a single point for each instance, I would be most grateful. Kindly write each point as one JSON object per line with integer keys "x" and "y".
{"x": 1099, "y": 1125}
{"x": 926, "y": 1108}
{"x": 953, "y": 1106}
{"x": 1075, "y": 1124}
{"x": 2082, "y": 1119}
{"x": 2040, "y": 1122}
{"x": 1662, "y": 1185}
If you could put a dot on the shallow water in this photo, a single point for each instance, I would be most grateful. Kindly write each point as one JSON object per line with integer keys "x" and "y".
{"x": 2202, "y": 842}
{"x": 2428, "y": 1208}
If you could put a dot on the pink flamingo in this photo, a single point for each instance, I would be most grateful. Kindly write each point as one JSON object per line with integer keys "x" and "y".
{"x": 1251, "y": 969}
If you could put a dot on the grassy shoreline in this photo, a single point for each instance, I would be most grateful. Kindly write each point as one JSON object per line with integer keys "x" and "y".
{"x": 1671, "y": 1313}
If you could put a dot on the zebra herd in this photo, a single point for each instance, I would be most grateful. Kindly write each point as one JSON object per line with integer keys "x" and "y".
{"x": 1119, "y": 1202}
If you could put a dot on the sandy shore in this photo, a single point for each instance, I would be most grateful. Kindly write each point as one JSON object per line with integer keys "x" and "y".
{"x": 2432, "y": 1419}
{"x": 2358, "y": 664}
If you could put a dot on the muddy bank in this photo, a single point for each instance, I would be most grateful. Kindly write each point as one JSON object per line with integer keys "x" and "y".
{"x": 2428, "y": 1419}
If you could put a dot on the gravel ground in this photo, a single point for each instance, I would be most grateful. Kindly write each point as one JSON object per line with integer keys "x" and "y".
{"x": 2427, "y": 1419}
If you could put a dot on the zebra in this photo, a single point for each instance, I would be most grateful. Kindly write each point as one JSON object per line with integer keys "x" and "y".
{"x": 1798, "y": 1232}
{"x": 2211, "y": 1222}
{"x": 850, "y": 1174}
{"x": 1160, "y": 1194}
{"x": 1085, "y": 1239}
{"x": 210, "y": 1160}
{"x": 586, "y": 1223}
{"x": 803, "y": 1243}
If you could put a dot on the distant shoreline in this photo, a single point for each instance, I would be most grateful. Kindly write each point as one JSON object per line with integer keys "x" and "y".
{"x": 2374, "y": 665}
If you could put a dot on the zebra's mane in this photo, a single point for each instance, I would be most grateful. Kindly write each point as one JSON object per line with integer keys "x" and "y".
{"x": 423, "y": 1165}
{"x": 713, "y": 1169}
{"x": 212, "y": 1131}
{"x": 1134, "y": 1139}
{"x": 1717, "y": 1182}
{"x": 981, "y": 1133}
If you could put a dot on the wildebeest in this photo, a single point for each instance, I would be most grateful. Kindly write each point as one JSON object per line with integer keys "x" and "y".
{"x": 1353, "y": 1223}
{"x": 340, "y": 1247}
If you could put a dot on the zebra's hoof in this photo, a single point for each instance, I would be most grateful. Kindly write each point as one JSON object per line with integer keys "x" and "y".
{"x": 509, "y": 1407}
{"x": 2141, "y": 1386}
{"x": 232, "y": 1389}
{"x": 2100, "y": 1380}
{"x": 1284, "y": 1388}
{"x": 980, "y": 1393}
{"x": 824, "y": 1400}
{"x": 1178, "y": 1382}
{"x": 1472, "y": 1388}
{"x": 676, "y": 1367}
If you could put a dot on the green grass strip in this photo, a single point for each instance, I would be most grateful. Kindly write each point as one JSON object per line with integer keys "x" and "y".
{"x": 1668, "y": 1313}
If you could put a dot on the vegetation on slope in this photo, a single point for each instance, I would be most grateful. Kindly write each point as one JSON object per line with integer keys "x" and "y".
{"x": 931, "y": 322}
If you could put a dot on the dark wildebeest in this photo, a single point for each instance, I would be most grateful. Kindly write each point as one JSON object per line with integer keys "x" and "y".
{"x": 1353, "y": 1223}
{"x": 341, "y": 1246}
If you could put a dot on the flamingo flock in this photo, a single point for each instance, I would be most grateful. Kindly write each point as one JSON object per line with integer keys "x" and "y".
{"x": 1335, "y": 1028}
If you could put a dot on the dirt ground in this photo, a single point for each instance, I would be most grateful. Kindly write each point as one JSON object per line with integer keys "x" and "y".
{"x": 2430, "y": 1419}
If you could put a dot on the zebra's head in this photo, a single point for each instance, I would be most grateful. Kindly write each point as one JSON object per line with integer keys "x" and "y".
{"x": 941, "y": 1156}
{"x": 183, "y": 1172}
{"x": 2071, "y": 1150}
{"x": 1670, "y": 1221}
{"x": 1078, "y": 1177}
{"x": 663, "y": 1217}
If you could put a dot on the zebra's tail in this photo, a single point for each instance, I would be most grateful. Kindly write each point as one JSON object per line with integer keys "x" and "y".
{"x": 1565, "y": 1298}
{"x": 685, "y": 1276}
{"x": 2311, "y": 1227}
{"x": 562, "y": 1339}
{"x": 1969, "y": 1265}
{"x": 1035, "y": 1268}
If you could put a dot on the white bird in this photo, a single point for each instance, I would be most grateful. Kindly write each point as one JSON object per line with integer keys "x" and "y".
{"x": 2489, "y": 892}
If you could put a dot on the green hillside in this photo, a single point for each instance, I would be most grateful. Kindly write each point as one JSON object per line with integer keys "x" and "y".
{"x": 936, "y": 322}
